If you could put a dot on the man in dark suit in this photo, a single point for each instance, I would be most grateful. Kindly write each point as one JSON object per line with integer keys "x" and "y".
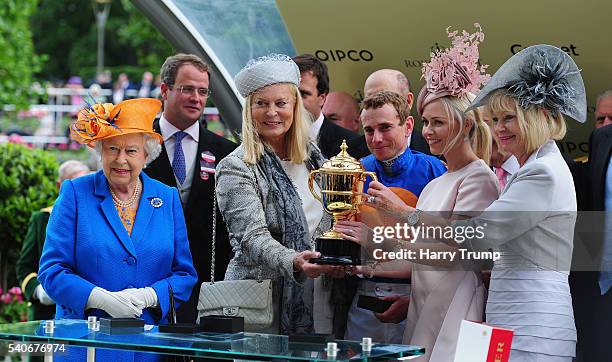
{"x": 314, "y": 87}
{"x": 598, "y": 287}
{"x": 395, "y": 81}
{"x": 342, "y": 109}
{"x": 603, "y": 109}
{"x": 188, "y": 159}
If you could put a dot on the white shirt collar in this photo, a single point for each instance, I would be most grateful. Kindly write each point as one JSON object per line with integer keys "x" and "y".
{"x": 168, "y": 129}
{"x": 315, "y": 128}
{"x": 548, "y": 147}
{"x": 511, "y": 165}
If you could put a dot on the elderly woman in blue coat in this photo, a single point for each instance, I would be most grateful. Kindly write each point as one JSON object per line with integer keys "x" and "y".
{"x": 116, "y": 240}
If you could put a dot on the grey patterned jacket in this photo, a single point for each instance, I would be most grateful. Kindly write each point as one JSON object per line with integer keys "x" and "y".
{"x": 253, "y": 229}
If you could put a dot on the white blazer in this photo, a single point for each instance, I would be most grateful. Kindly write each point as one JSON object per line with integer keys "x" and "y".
{"x": 532, "y": 225}
{"x": 535, "y": 214}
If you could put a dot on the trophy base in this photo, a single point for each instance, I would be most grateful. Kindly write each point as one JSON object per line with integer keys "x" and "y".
{"x": 332, "y": 260}
{"x": 337, "y": 252}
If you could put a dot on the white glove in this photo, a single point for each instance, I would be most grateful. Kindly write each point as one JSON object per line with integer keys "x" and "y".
{"x": 42, "y": 296}
{"x": 145, "y": 296}
{"x": 117, "y": 304}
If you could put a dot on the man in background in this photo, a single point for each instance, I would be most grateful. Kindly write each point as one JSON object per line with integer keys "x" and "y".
{"x": 43, "y": 307}
{"x": 187, "y": 161}
{"x": 387, "y": 126}
{"x": 314, "y": 87}
{"x": 342, "y": 109}
{"x": 395, "y": 81}
{"x": 603, "y": 109}
{"x": 146, "y": 85}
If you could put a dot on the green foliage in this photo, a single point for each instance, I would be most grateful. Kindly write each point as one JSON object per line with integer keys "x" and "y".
{"x": 57, "y": 27}
{"x": 150, "y": 46}
{"x": 83, "y": 154}
{"x": 66, "y": 32}
{"x": 27, "y": 184}
{"x": 17, "y": 59}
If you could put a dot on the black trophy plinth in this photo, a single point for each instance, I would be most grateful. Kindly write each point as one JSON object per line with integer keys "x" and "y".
{"x": 337, "y": 252}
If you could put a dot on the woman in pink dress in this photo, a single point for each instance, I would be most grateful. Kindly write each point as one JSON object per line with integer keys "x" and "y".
{"x": 443, "y": 296}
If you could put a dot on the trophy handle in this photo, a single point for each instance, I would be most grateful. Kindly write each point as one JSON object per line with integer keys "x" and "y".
{"x": 362, "y": 177}
{"x": 311, "y": 186}
{"x": 371, "y": 174}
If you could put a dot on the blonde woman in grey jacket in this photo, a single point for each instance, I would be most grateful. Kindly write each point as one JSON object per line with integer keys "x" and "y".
{"x": 263, "y": 194}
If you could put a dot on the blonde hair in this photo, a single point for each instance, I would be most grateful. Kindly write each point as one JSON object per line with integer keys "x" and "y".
{"x": 296, "y": 137}
{"x": 479, "y": 135}
{"x": 537, "y": 125}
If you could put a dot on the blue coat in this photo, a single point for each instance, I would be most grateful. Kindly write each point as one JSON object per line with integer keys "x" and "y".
{"x": 88, "y": 246}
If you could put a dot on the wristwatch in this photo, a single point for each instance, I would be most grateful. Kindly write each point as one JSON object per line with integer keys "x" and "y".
{"x": 413, "y": 217}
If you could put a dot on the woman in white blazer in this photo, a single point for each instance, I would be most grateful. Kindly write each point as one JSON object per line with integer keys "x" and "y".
{"x": 531, "y": 225}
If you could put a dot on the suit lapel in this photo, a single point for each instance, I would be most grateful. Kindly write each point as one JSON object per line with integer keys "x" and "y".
{"x": 325, "y": 137}
{"x": 198, "y": 185}
{"x": 599, "y": 159}
{"x": 161, "y": 169}
{"x": 145, "y": 210}
{"x": 606, "y": 145}
{"x": 110, "y": 212}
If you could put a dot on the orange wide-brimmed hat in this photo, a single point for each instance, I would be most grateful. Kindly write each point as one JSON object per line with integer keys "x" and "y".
{"x": 105, "y": 120}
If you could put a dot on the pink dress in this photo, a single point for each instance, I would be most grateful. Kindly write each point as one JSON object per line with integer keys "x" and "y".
{"x": 442, "y": 297}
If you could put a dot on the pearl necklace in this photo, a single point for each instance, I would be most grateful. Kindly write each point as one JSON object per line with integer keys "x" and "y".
{"x": 130, "y": 202}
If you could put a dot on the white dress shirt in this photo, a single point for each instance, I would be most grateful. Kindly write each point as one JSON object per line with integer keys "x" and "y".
{"x": 298, "y": 173}
{"x": 315, "y": 128}
{"x": 190, "y": 150}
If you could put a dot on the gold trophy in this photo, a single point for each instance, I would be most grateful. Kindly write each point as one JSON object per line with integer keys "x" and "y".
{"x": 341, "y": 182}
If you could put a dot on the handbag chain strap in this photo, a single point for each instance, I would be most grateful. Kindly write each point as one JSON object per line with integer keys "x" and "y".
{"x": 214, "y": 238}
{"x": 214, "y": 230}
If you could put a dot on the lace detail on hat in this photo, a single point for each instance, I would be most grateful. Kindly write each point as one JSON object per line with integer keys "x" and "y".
{"x": 456, "y": 69}
{"x": 266, "y": 70}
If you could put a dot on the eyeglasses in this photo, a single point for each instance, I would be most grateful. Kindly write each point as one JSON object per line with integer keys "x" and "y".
{"x": 189, "y": 90}
{"x": 602, "y": 118}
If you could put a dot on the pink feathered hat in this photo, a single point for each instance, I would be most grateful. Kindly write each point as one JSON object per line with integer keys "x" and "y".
{"x": 453, "y": 71}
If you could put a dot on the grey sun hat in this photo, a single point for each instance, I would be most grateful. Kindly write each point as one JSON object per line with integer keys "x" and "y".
{"x": 541, "y": 75}
{"x": 267, "y": 70}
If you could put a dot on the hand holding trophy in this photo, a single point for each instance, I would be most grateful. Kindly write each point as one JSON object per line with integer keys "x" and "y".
{"x": 341, "y": 181}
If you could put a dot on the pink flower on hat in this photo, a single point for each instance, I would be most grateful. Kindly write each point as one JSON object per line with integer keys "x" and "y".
{"x": 455, "y": 70}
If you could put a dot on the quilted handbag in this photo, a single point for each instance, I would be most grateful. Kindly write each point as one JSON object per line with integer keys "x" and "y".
{"x": 250, "y": 299}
